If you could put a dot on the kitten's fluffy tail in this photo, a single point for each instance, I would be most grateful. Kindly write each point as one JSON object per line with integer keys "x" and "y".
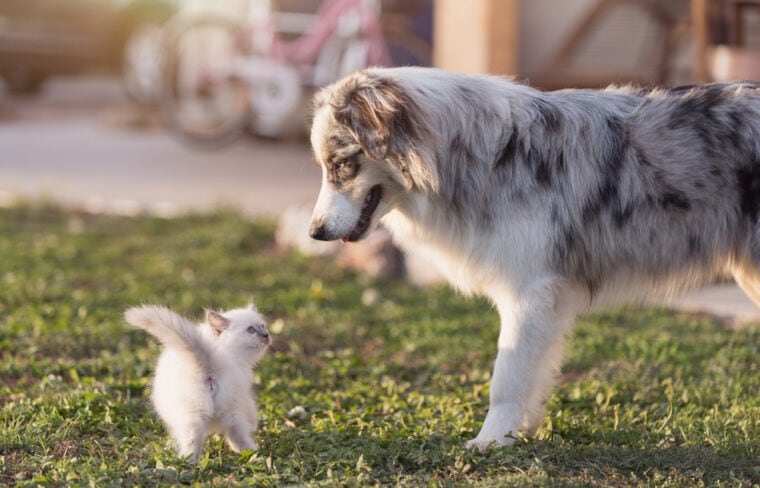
{"x": 171, "y": 329}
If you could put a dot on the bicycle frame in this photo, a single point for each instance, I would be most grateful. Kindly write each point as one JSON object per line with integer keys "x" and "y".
{"x": 344, "y": 35}
{"x": 278, "y": 55}
{"x": 305, "y": 49}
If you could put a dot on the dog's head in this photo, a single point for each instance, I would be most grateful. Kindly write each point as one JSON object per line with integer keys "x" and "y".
{"x": 370, "y": 140}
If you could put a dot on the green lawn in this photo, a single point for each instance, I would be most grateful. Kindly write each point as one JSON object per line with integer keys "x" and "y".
{"x": 391, "y": 390}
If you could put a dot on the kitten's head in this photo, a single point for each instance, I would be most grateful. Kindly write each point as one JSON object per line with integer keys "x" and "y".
{"x": 242, "y": 330}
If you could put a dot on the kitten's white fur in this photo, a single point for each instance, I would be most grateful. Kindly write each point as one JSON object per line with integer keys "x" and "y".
{"x": 204, "y": 378}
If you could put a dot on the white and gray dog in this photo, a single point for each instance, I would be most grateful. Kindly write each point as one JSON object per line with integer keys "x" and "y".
{"x": 551, "y": 204}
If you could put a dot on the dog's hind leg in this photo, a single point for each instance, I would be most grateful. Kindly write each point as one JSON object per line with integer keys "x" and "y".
{"x": 747, "y": 276}
{"x": 530, "y": 330}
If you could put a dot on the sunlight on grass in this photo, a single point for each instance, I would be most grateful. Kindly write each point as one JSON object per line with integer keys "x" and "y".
{"x": 390, "y": 392}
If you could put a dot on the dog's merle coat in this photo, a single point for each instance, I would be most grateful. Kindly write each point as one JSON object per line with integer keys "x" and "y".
{"x": 549, "y": 203}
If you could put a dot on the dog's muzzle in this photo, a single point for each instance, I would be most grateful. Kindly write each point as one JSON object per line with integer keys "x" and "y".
{"x": 317, "y": 231}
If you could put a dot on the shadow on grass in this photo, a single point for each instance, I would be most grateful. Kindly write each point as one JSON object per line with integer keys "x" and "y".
{"x": 398, "y": 457}
{"x": 704, "y": 463}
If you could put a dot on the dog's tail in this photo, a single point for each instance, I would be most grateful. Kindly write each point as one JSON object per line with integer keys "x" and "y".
{"x": 171, "y": 329}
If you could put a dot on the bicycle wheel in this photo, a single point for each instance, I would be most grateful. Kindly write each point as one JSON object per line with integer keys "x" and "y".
{"x": 202, "y": 99}
{"x": 141, "y": 63}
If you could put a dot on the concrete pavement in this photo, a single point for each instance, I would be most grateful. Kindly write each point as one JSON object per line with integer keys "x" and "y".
{"x": 104, "y": 169}
{"x": 725, "y": 301}
{"x": 68, "y": 146}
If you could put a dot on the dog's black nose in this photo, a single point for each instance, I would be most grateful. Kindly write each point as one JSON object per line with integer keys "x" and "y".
{"x": 317, "y": 232}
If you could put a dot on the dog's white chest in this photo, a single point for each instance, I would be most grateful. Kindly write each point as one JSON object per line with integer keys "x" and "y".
{"x": 450, "y": 254}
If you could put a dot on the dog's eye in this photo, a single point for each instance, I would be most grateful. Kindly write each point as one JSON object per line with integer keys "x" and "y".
{"x": 251, "y": 329}
{"x": 347, "y": 165}
{"x": 342, "y": 170}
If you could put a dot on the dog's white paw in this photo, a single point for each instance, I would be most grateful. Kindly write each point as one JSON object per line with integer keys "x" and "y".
{"x": 499, "y": 426}
{"x": 482, "y": 445}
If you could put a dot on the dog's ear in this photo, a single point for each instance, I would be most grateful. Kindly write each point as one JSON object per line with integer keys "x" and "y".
{"x": 370, "y": 109}
{"x": 383, "y": 120}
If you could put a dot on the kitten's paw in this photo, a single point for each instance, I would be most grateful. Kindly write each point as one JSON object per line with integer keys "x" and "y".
{"x": 240, "y": 445}
{"x": 190, "y": 456}
{"x": 248, "y": 449}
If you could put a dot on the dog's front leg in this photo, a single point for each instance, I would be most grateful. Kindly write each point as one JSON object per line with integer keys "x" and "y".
{"x": 533, "y": 326}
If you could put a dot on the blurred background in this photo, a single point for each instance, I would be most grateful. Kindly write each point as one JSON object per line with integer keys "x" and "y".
{"x": 126, "y": 105}
{"x": 165, "y": 106}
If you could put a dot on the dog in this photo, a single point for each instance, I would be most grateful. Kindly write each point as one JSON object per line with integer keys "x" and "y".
{"x": 549, "y": 203}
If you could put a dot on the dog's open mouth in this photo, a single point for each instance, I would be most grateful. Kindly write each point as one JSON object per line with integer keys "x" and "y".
{"x": 365, "y": 219}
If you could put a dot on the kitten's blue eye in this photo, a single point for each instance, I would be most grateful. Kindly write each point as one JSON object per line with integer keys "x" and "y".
{"x": 251, "y": 330}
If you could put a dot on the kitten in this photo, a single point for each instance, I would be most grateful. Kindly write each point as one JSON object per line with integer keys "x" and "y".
{"x": 204, "y": 376}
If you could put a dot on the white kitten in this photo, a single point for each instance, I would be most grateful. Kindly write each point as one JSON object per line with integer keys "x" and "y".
{"x": 204, "y": 376}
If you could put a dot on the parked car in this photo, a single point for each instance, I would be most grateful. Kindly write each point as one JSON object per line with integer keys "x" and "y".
{"x": 44, "y": 38}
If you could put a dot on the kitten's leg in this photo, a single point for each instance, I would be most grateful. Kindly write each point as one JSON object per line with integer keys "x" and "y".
{"x": 237, "y": 431}
{"x": 189, "y": 436}
{"x": 253, "y": 415}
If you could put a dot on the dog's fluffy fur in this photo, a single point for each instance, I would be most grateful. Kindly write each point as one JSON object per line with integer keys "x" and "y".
{"x": 548, "y": 203}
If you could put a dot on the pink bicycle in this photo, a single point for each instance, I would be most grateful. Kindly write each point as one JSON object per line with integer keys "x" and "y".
{"x": 223, "y": 76}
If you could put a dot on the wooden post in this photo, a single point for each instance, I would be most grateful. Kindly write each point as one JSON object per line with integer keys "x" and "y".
{"x": 476, "y": 36}
{"x": 699, "y": 31}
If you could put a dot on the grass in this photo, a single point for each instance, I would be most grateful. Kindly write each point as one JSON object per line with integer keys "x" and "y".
{"x": 391, "y": 390}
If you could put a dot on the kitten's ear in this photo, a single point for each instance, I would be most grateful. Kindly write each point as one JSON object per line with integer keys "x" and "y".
{"x": 251, "y": 307}
{"x": 217, "y": 321}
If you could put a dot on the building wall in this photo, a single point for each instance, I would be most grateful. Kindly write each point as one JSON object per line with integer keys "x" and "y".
{"x": 626, "y": 41}
{"x": 544, "y": 25}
